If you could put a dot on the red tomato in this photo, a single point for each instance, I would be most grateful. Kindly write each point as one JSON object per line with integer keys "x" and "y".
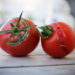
{"x": 61, "y": 42}
{"x": 12, "y": 45}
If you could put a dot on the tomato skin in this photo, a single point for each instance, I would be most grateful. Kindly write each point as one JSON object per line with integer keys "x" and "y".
{"x": 59, "y": 44}
{"x": 25, "y": 47}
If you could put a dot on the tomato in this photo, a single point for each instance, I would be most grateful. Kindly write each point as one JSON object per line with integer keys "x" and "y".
{"x": 22, "y": 41}
{"x": 61, "y": 42}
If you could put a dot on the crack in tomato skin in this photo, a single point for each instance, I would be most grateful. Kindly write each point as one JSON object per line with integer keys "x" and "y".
{"x": 61, "y": 42}
{"x": 61, "y": 36}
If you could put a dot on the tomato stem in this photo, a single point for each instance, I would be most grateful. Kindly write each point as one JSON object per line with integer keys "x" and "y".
{"x": 19, "y": 19}
{"x": 12, "y": 25}
{"x": 6, "y": 31}
{"x": 47, "y": 31}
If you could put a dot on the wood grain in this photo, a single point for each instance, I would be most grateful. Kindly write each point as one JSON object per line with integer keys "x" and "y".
{"x": 47, "y": 70}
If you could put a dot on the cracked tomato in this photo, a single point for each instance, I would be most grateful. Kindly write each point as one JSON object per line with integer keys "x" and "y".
{"x": 61, "y": 42}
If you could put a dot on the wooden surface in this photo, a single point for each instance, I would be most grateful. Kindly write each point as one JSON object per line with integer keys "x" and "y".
{"x": 37, "y": 63}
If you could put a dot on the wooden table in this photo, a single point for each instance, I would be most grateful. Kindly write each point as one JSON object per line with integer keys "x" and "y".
{"x": 37, "y": 63}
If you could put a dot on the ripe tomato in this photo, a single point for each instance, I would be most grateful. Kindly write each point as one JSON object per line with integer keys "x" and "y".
{"x": 61, "y": 42}
{"x": 22, "y": 41}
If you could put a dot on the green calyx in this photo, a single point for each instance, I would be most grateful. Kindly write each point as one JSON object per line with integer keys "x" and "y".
{"x": 16, "y": 31}
{"x": 47, "y": 31}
